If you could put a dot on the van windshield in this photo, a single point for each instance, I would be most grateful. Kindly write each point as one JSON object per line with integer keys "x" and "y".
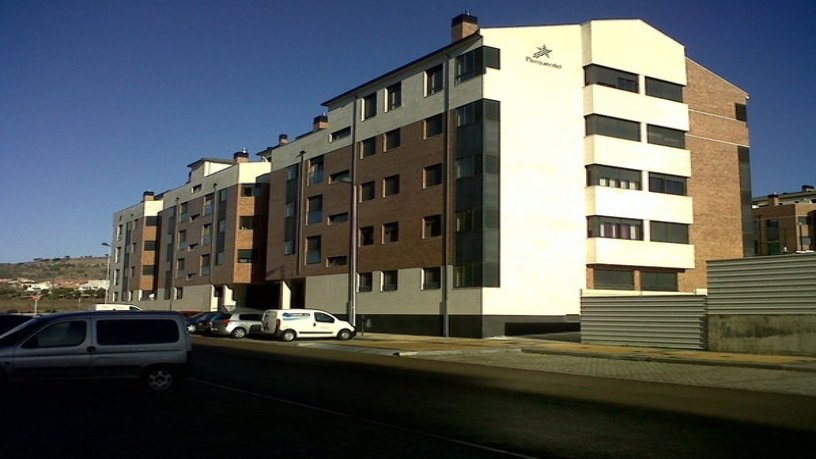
{"x": 16, "y": 335}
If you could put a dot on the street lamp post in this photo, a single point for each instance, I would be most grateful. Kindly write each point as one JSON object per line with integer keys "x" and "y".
{"x": 352, "y": 282}
{"x": 107, "y": 270}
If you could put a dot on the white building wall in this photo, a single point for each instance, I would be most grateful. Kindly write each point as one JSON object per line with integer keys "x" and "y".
{"x": 543, "y": 223}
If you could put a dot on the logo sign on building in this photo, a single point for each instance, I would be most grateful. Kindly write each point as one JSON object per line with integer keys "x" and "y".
{"x": 543, "y": 52}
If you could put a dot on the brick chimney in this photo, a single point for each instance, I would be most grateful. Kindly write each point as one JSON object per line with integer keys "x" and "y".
{"x": 148, "y": 196}
{"x": 240, "y": 156}
{"x": 320, "y": 122}
{"x": 463, "y": 26}
{"x": 774, "y": 199}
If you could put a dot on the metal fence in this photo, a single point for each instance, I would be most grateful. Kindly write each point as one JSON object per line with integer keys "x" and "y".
{"x": 670, "y": 321}
{"x": 784, "y": 284}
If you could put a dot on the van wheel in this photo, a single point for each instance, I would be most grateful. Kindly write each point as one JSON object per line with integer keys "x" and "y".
{"x": 239, "y": 333}
{"x": 288, "y": 335}
{"x": 344, "y": 334}
{"x": 159, "y": 379}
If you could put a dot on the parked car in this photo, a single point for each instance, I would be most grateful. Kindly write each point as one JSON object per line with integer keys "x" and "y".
{"x": 236, "y": 324}
{"x": 203, "y": 324}
{"x": 114, "y": 307}
{"x": 193, "y": 320}
{"x": 289, "y": 324}
{"x": 150, "y": 346}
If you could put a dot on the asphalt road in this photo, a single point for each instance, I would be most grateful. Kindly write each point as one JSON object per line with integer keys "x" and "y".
{"x": 273, "y": 399}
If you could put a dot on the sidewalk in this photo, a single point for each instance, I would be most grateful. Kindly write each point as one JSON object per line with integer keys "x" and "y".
{"x": 410, "y": 345}
{"x": 788, "y": 375}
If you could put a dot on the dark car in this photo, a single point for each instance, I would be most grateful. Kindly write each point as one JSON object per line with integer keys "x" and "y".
{"x": 200, "y": 323}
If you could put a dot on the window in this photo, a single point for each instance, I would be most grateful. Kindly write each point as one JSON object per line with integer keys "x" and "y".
{"x": 392, "y": 140}
{"x": 196, "y": 188}
{"x": 394, "y": 94}
{"x": 206, "y": 234}
{"x": 364, "y": 282}
{"x": 314, "y": 206}
{"x": 179, "y": 293}
{"x": 605, "y": 76}
{"x": 63, "y": 334}
{"x": 658, "y": 281}
{"x": 391, "y": 185}
{"x": 612, "y": 127}
{"x": 433, "y": 125}
{"x": 183, "y": 212}
{"x": 664, "y": 89}
{"x": 431, "y": 278}
{"x": 337, "y": 261}
{"x": 431, "y": 226}
{"x": 741, "y": 112}
{"x": 614, "y": 177}
{"x": 669, "y": 232}
{"x": 613, "y": 279}
{"x": 205, "y": 264}
{"x": 369, "y": 106}
{"x": 313, "y": 255}
{"x": 341, "y": 176}
{"x": 467, "y": 166}
{"x": 432, "y": 175}
{"x": 368, "y": 147}
{"x": 151, "y": 221}
{"x": 150, "y": 246}
{"x": 390, "y": 281}
{"x": 246, "y": 222}
{"x": 658, "y": 135}
{"x": 322, "y": 318}
{"x": 222, "y": 195}
{"x": 316, "y": 170}
{"x": 208, "y": 204}
{"x": 148, "y": 270}
{"x": 246, "y": 256}
{"x": 247, "y": 191}
{"x": 340, "y": 134}
{"x": 669, "y": 184}
{"x": 367, "y": 191}
{"x": 615, "y": 228}
{"x": 367, "y": 235}
{"x": 182, "y": 240}
{"x": 338, "y": 218}
{"x": 805, "y": 242}
{"x": 475, "y": 63}
{"x": 390, "y": 232}
{"x": 434, "y": 81}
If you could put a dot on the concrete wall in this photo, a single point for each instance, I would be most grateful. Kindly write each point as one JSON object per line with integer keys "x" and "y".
{"x": 763, "y": 334}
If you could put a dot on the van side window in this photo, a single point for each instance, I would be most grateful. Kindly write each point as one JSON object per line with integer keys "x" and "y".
{"x": 325, "y": 318}
{"x": 116, "y": 332}
{"x": 63, "y": 334}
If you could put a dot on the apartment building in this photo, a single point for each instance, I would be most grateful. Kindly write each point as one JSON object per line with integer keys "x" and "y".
{"x": 483, "y": 188}
{"x": 785, "y": 223}
{"x": 134, "y": 250}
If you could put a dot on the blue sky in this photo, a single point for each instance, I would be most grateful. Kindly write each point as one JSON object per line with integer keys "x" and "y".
{"x": 102, "y": 100}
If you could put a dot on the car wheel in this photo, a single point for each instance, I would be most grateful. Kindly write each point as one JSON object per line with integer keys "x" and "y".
{"x": 344, "y": 334}
{"x": 159, "y": 379}
{"x": 288, "y": 335}
{"x": 239, "y": 333}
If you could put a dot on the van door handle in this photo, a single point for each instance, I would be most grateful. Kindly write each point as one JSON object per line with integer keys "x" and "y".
{"x": 91, "y": 349}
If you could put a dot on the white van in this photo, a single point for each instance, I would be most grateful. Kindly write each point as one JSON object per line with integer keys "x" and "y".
{"x": 153, "y": 347}
{"x": 114, "y": 307}
{"x": 288, "y": 324}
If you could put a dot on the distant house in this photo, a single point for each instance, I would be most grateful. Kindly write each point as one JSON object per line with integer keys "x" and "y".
{"x": 94, "y": 285}
{"x": 33, "y": 288}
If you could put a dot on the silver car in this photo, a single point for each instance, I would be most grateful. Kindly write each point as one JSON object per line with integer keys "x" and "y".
{"x": 236, "y": 324}
{"x": 151, "y": 346}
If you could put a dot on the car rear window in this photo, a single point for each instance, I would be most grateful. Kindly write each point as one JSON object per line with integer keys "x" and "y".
{"x": 250, "y": 317}
{"x": 115, "y": 332}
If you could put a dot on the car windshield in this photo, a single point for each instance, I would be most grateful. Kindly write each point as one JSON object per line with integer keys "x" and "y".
{"x": 12, "y": 336}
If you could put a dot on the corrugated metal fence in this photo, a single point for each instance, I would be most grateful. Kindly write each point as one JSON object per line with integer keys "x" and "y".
{"x": 784, "y": 284}
{"x": 671, "y": 321}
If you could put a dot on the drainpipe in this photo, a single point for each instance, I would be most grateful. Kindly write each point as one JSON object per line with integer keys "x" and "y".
{"x": 446, "y": 200}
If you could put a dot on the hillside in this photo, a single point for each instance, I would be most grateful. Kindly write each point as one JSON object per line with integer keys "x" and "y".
{"x": 56, "y": 269}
